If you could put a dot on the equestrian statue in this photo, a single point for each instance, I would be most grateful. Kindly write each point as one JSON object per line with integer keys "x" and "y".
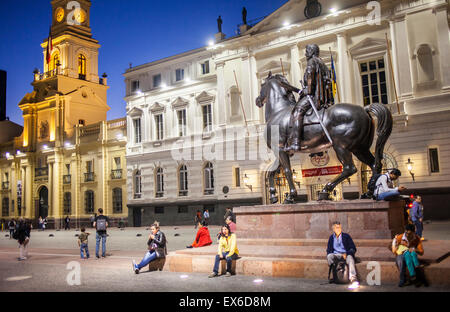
{"x": 314, "y": 123}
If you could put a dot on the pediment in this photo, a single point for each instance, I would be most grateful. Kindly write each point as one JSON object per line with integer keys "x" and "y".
{"x": 205, "y": 98}
{"x": 134, "y": 112}
{"x": 179, "y": 103}
{"x": 368, "y": 46}
{"x": 157, "y": 108}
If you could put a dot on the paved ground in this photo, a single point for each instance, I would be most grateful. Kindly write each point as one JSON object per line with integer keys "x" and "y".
{"x": 54, "y": 260}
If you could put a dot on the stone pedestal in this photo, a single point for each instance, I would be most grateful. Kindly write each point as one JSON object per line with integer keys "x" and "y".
{"x": 243, "y": 28}
{"x": 362, "y": 219}
{"x": 219, "y": 36}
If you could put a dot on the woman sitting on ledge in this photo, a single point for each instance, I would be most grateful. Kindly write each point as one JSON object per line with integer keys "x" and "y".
{"x": 156, "y": 248}
{"x": 202, "y": 238}
{"x": 227, "y": 250}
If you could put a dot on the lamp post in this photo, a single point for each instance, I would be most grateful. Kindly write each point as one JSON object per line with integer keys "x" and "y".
{"x": 246, "y": 182}
{"x": 409, "y": 165}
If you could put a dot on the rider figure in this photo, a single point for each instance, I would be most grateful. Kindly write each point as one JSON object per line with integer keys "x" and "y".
{"x": 317, "y": 84}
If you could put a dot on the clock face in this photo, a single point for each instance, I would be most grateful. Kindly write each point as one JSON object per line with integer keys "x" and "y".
{"x": 80, "y": 16}
{"x": 59, "y": 14}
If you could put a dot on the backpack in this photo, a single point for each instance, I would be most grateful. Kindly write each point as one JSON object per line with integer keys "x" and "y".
{"x": 101, "y": 224}
{"x": 340, "y": 272}
{"x": 373, "y": 182}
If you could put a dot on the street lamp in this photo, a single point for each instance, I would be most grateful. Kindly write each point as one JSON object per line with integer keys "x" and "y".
{"x": 409, "y": 165}
{"x": 246, "y": 182}
{"x": 294, "y": 177}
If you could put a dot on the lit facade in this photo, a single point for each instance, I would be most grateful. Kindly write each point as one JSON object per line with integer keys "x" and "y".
{"x": 165, "y": 108}
{"x": 69, "y": 158}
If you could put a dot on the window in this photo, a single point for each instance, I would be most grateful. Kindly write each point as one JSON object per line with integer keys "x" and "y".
{"x": 89, "y": 201}
{"x": 159, "y": 182}
{"x": 89, "y": 166}
{"x": 237, "y": 177}
{"x": 179, "y": 74}
{"x": 208, "y": 174}
{"x": 134, "y": 86}
{"x": 207, "y": 118}
{"x": 159, "y": 127}
{"x": 183, "y": 180}
{"x": 52, "y": 66}
{"x": 205, "y": 68}
{"x": 117, "y": 162}
{"x": 81, "y": 122}
{"x": 117, "y": 200}
{"x": 159, "y": 210}
{"x": 67, "y": 203}
{"x": 434, "y": 159}
{"x": 183, "y": 209}
{"x": 156, "y": 81}
{"x": 181, "y": 114}
{"x": 373, "y": 77}
{"x": 81, "y": 67}
{"x": 137, "y": 130}
{"x": 137, "y": 184}
{"x": 5, "y": 207}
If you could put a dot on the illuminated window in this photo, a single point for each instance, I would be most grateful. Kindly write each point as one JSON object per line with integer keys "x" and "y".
{"x": 52, "y": 66}
{"x": 159, "y": 182}
{"x": 373, "y": 79}
{"x": 117, "y": 200}
{"x": 82, "y": 66}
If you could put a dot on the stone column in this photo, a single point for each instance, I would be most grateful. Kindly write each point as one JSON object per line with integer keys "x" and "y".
{"x": 51, "y": 207}
{"x": 245, "y": 86}
{"x": 221, "y": 109}
{"x": 254, "y": 83}
{"x": 57, "y": 189}
{"x": 443, "y": 45}
{"x": 28, "y": 188}
{"x": 401, "y": 58}
{"x": 295, "y": 66}
{"x": 345, "y": 81}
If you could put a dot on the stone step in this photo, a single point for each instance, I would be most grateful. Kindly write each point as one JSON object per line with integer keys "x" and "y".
{"x": 437, "y": 274}
{"x": 310, "y": 242}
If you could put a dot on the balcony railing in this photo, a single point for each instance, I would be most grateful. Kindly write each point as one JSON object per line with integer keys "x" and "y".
{"x": 89, "y": 177}
{"x": 116, "y": 174}
{"x": 67, "y": 179}
{"x": 5, "y": 185}
{"x": 49, "y": 74}
{"x": 41, "y": 172}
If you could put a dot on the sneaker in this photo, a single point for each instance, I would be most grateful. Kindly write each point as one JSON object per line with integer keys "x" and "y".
{"x": 190, "y": 246}
{"x": 228, "y": 274}
{"x": 213, "y": 274}
{"x": 135, "y": 268}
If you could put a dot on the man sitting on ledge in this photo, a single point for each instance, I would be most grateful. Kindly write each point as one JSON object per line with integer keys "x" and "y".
{"x": 384, "y": 189}
{"x": 341, "y": 246}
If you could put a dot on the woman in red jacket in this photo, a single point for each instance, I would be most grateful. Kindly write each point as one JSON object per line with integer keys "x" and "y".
{"x": 202, "y": 238}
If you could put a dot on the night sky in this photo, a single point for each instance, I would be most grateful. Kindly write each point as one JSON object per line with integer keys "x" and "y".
{"x": 129, "y": 31}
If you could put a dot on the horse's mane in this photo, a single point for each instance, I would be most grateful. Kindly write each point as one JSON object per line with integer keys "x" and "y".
{"x": 289, "y": 94}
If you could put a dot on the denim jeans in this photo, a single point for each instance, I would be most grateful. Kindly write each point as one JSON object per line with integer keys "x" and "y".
{"x": 401, "y": 267}
{"x": 85, "y": 248}
{"x": 149, "y": 257}
{"x": 388, "y": 195}
{"x": 97, "y": 245}
{"x": 228, "y": 259}
{"x": 419, "y": 227}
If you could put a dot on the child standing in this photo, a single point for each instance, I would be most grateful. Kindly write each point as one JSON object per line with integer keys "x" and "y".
{"x": 83, "y": 243}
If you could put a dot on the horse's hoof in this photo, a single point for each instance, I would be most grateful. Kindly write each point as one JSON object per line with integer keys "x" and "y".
{"x": 324, "y": 196}
{"x": 288, "y": 202}
{"x": 274, "y": 200}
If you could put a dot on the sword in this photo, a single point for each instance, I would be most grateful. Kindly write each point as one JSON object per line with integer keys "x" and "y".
{"x": 318, "y": 117}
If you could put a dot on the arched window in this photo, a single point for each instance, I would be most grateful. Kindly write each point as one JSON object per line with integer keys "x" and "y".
{"x": 117, "y": 200}
{"x": 159, "y": 182}
{"x": 89, "y": 201}
{"x": 183, "y": 180}
{"x": 81, "y": 66}
{"x": 208, "y": 176}
{"x": 52, "y": 66}
{"x": 67, "y": 203}
{"x": 137, "y": 184}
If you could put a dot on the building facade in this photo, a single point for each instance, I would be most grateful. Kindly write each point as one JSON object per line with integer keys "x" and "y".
{"x": 69, "y": 159}
{"x": 185, "y": 112}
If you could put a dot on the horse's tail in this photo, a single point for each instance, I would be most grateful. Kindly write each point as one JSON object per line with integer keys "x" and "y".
{"x": 384, "y": 130}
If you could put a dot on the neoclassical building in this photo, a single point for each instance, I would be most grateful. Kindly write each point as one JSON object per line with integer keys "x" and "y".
{"x": 69, "y": 158}
{"x": 184, "y": 109}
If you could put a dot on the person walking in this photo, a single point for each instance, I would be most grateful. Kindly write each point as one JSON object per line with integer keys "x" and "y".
{"x": 23, "y": 229}
{"x": 83, "y": 243}
{"x": 227, "y": 250}
{"x": 12, "y": 227}
{"x": 67, "y": 223}
{"x": 197, "y": 218}
{"x": 206, "y": 216}
{"x": 156, "y": 248}
{"x": 416, "y": 214}
{"x": 100, "y": 224}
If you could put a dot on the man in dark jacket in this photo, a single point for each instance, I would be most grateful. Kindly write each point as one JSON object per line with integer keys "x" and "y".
{"x": 341, "y": 246}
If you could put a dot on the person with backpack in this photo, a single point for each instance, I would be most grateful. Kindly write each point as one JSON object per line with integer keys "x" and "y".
{"x": 100, "y": 224}
{"x": 340, "y": 251}
{"x": 22, "y": 234}
{"x": 384, "y": 188}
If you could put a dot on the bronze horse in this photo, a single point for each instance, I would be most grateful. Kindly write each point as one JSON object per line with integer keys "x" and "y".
{"x": 350, "y": 126}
